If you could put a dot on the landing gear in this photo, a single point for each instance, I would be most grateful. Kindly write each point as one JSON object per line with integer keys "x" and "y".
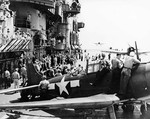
{"x": 143, "y": 108}
{"x": 116, "y": 107}
{"x": 111, "y": 112}
{"x": 128, "y": 107}
{"x": 85, "y": 111}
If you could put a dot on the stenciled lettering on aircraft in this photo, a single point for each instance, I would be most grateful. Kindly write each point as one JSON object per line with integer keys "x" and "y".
{"x": 62, "y": 85}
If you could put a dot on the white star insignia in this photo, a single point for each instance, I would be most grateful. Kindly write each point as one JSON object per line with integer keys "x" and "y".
{"x": 62, "y": 86}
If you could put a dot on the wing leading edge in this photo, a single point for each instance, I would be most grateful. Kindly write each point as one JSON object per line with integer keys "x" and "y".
{"x": 96, "y": 101}
{"x": 123, "y": 52}
{"x": 18, "y": 89}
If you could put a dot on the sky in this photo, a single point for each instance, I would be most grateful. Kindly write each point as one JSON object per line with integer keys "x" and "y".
{"x": 116, "y": 23}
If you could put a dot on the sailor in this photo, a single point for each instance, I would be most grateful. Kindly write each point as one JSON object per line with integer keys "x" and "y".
{"x": 36, "y": 65}
{"x": 7, "y": 78}
{"x": 78, "y": 69}
{"x": 126, "y": 72}
{"x": 24, "y": 73}
{"x": 58, "y": 72}
{"x": 104, "y": 63}
{"x": 104, "y": 69}
{"x": 116, "y": 66}
{"x": 82, "y": 71}
{"x": 16, "y": 77}
{"x": 44, "y": 87}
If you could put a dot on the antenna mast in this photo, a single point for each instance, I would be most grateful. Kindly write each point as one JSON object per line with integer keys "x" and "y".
{"x": 137, "y": 54}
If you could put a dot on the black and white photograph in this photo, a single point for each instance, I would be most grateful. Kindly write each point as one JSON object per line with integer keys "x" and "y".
{"x": 74, "y": 59}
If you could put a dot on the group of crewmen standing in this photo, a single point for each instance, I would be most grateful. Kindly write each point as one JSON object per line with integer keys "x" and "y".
{"x": 121, "y": 71}
{"x": 18, "y": 73}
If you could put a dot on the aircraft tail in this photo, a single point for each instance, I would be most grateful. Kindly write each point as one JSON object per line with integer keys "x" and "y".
{"x": 34, "y": 77}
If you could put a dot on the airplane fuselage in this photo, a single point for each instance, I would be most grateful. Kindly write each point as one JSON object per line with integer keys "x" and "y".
{"x": 84, "y": 85}
{"x": 139, "y": 84}
{"x": 68, "y": 86}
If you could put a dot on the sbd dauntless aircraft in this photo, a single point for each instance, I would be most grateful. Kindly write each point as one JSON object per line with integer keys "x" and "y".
{"x": 90, "y": 90}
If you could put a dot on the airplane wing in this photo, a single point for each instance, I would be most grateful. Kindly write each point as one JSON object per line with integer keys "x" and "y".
{"x": 96, "y": 101}
{"x": 143, "y": 52}
{"x": 52, "y": 80}
{"x": 17, "y": 89}
{"x": 123, "y": 52}
{"x": 114, "y": 51}
{"x": 145, "y": 98}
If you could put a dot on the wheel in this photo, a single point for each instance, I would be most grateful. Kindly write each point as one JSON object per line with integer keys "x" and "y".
{"x": 85, "y": 111}
{"x": 128, "y": 108}
{"x": 143, "y": 109}
{"x": 116, "y": 107}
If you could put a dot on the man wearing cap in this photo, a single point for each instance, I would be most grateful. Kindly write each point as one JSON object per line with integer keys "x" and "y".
{"x": 16, "y": 77}
{"x": 126, "y": 72}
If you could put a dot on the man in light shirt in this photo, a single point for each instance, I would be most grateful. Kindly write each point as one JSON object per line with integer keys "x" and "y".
{"x": 43, "y": 86}
{"x": 126, "y": 71}
{"x": 16, "y": 77}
